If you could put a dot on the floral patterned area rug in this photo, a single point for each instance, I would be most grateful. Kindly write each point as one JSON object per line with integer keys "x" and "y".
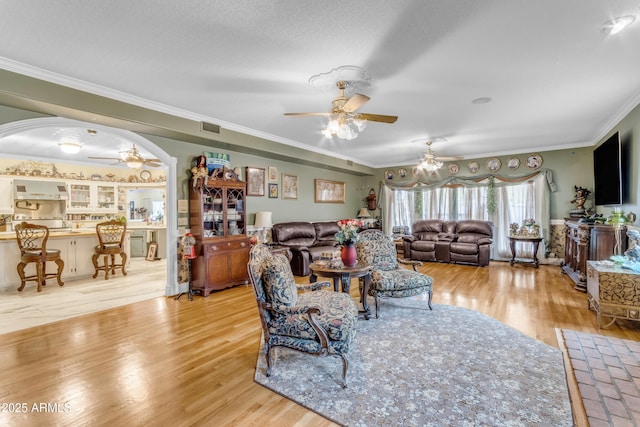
{"x": 414, "y": 367}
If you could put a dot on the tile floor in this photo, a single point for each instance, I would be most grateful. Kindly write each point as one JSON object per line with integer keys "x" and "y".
{"x": 607, "y": 371}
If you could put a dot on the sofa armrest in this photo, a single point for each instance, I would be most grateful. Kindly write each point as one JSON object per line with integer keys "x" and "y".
{"x": 447, "y": 237}
{"x": 484, "y": 241}
{"x": 409, "y": 238}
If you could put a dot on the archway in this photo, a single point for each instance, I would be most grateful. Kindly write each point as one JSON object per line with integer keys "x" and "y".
{"x": 12, "y": 129}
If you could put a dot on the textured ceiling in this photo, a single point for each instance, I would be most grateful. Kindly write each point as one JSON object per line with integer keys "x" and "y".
{"x": 555, "y": 79}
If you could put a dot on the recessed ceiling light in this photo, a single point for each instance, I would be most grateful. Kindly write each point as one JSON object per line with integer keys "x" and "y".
{"x": 481, "y": 100}
{"x": 618, "y": 24}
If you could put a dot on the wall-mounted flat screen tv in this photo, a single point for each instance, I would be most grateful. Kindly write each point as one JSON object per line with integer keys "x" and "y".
{"x": 607, "y": 171}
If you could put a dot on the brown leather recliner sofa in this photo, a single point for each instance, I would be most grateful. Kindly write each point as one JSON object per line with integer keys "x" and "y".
{"x": 306, "y": 240}
{"x": 466, "y": 241}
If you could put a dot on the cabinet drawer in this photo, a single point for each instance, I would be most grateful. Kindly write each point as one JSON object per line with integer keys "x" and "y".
{"x": 226, "y": 246}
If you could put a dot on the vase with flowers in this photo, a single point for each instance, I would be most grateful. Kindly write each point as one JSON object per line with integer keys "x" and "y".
{"x": 347, "y": 237}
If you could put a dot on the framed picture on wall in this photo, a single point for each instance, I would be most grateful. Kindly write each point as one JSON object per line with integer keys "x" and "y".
{"x": 329, "y": 191}
{"x": 273, "y": 191}
{"x": 255, "y": 181}
{"x": 289, "y": 186}
{"x": 273, "y": 174}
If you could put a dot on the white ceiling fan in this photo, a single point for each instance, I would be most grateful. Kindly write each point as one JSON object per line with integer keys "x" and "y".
{"x": 430, "y": 162}
{"x": 132, "y": 158}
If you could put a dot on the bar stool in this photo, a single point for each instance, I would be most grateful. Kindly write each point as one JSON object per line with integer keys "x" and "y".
{"x": 111, "y": 237}
{"x": 32, "y": 240}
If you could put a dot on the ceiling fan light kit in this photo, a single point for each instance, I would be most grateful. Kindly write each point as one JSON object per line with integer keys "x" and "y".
{"x": 344, "y": 120}
{"x": 430, "y": 162}
{"x": 70, "y": 147}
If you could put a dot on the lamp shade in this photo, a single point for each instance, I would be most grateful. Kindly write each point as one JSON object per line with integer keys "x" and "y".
{"x": 364, "y": 213}
{"x": 263, "y": 220}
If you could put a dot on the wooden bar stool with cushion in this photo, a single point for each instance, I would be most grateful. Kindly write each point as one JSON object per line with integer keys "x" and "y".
{"x": 111, "y": 237}
{"x": 32, "y": 240}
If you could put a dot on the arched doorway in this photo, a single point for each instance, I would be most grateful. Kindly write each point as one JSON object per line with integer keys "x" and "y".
{"x": 12, "y": 145}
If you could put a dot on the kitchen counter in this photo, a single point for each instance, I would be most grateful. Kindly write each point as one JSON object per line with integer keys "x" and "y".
{"x": 66, "y": 232}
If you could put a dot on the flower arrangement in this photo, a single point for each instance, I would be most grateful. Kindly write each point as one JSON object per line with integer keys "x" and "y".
{"x": 529, "y": 222}
{"x": 348, "y": 233}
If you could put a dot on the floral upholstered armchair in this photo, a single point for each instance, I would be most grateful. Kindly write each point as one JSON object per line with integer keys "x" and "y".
{"x": 319, "y": 322}
{"x": 388, "y": 279}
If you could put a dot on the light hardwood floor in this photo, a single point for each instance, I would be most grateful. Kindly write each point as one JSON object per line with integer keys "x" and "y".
{"x": 184, "y": 363}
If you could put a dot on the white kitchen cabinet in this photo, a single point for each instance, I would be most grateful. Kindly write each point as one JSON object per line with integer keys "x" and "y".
{"x": 6, "y": 195}
{"x": 92, "y": 197}
{"x": 76, "y": 252}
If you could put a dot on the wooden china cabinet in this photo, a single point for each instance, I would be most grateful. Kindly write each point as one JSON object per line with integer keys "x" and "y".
{"x": 217, "y": 214}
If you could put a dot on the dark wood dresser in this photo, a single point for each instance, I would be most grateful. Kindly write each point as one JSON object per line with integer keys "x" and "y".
{"x": 584, "y": 242}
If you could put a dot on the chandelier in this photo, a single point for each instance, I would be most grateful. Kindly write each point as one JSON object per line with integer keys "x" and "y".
{"x": 344, "y": 126}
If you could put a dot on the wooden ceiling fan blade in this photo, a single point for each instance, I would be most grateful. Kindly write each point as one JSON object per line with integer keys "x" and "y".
{"x": 307, "y": 114}
{"x": 355, "y": 102}
{"x": 152, "y": 163}
{"x": 105, "y": 158}
{"x": 377, "y": 118}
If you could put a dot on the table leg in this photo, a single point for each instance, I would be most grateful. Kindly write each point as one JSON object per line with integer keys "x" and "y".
{"x": 345, "y": 278}
{"x": 313, "y": 278}
{"x": 512, "y": 245}
{"x": 363, "y": 296}
{"x": 535, "y": 253}
{"x": 336, "y": 284}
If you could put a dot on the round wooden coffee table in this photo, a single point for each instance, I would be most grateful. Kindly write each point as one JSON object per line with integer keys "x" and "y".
{"x": 342, "y": 276}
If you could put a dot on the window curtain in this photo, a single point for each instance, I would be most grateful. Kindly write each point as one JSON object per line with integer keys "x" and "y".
{"x": 457, "y": 198}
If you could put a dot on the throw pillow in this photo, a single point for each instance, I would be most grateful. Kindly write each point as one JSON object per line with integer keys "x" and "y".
{"x": 279, "y": 284}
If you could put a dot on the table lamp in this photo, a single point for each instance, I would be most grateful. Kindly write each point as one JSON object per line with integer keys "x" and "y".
{"x": 262, "y": 223}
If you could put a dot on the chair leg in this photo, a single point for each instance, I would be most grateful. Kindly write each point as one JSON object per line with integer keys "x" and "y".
{"x": 123, "y": 257}
{"x": 113, "y": 264}
{"x": 106, "y": 267}
{"x": 60, "y": 263}
{"x": 377, "y": 305}
{"x": 430, "y": 292}
{"x": 267, "y": 355}
{"x": 345, "y": 367}
{"x": 23, "y": 282}
{"x": 94, "y": 259}
{"x": 39, "y": 276}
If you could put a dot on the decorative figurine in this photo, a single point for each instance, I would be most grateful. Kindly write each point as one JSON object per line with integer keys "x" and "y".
{"x": 582, "y": 194}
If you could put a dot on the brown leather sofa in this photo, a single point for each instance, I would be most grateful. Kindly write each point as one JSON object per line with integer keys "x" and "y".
{"x": 465, "y": 242}
{"x": 306, "y": 240}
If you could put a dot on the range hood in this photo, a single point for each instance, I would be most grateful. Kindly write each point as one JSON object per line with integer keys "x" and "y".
{"x": 39, "y": 190}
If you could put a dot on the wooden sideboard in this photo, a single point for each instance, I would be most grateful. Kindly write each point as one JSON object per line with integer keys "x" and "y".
{"x": 584, "y": 242}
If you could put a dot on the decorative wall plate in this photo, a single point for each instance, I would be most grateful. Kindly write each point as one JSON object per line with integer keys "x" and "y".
{"x": 145, "y": 175}
{"x": 454, "y": 168}
{"x": 389, "y": 174}
{"x": 513, "y": 163}
{"x": 534, "y": 161}
{"x": 402, "y": 173}
{"x": 473, "y": 167}
{"x": 494, "y": 164}
{"x": 415, "y": 171}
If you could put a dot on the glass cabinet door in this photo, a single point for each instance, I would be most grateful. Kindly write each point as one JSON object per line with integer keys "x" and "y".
{"x": 212, "y": 212}
{"x": 79, "y": 197}
{"x": 235, "y": 211}
{"x": 106, "y": 197}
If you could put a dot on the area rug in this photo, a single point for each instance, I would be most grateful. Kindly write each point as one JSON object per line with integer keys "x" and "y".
{"x": 414, "y": 367}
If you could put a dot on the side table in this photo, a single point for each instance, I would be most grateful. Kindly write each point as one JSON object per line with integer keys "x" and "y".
{"x": 342, "y": 276}
{"x": 533, "y": 240}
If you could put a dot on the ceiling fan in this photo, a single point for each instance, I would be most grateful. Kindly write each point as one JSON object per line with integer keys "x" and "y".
{"x": 345, "y": 121}
{"x": 431, "y": 163}
{"x": 132, "y": 158}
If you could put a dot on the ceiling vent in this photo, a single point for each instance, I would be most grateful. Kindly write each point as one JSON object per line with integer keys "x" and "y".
{"x": 210, "y": 127}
